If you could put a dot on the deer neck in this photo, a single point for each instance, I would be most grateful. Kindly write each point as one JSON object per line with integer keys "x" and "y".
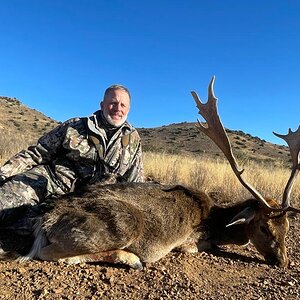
{"x": 219, "y": 217}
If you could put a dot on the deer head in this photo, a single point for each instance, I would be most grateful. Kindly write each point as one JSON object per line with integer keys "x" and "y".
{"x": 267, "y": 224}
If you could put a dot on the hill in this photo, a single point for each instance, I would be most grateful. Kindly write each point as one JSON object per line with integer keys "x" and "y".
{"x": 21, "y": 126}
{"x": 18, "y": 119}
{"x": 186, "y": 138}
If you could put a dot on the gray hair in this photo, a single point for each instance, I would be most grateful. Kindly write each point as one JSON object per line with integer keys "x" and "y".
{"x": 116, "y": 87}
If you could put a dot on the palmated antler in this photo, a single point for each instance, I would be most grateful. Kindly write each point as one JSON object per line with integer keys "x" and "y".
{"x": 293, "y": 141}
{"x": 216, "y": 132}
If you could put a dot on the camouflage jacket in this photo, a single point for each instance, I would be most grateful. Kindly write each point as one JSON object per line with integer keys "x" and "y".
{"x": 84, "y": 149}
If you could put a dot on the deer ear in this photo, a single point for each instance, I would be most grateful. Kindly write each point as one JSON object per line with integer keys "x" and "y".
{"x": 245, "y": 216}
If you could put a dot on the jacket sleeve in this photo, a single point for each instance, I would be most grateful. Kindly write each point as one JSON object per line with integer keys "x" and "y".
{"x": 41, "y": 153}
{"x": 136, "y": 171}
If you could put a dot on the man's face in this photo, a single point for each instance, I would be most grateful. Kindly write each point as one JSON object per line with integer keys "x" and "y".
{"x": 115, "y": 107}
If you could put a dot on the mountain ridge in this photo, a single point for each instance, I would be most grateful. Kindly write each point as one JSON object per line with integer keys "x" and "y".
{"x": 23, "y": 126}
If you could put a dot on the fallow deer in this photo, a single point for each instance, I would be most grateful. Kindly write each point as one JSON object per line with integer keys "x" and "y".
{"x": 137, "y": 223}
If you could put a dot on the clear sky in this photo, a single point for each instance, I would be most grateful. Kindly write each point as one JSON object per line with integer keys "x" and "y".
{"x": 58, "y": 56}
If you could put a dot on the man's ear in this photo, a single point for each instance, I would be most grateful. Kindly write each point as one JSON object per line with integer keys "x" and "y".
{"x": 101, "y": 104}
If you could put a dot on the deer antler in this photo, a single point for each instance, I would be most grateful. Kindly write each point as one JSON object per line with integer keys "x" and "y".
{"x": 293, "y": 141}
{"x": 216, "y": 132}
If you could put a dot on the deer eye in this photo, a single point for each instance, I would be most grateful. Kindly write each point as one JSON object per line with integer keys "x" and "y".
{"x": 264, "y": 230}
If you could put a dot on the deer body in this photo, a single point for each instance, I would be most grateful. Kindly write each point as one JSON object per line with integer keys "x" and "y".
{"x": 138, "y": 223}
{"x": 148, "y": 220}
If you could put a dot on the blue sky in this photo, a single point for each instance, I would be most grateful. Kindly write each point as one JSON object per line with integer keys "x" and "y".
{"x": 58, "y": 57}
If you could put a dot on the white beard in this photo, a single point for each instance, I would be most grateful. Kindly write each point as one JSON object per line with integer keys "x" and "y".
{"x": 114, "y": 122}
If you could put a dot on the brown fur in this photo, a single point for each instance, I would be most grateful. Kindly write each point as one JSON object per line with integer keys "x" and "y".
{"x": 134, "y": 223}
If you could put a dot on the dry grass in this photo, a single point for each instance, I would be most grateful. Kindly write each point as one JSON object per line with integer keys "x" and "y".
{"x": 216, "y": 176}
{"x": 8, "y": 145}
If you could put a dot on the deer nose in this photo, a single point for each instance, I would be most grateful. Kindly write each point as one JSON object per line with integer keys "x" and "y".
{"x": 277, "y": 260}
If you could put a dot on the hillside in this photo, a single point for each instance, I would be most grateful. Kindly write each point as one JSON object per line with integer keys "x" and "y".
{"x": 186, "y": 138}
{"x": 21, "y": 126}
{"x": 18, "y": 119}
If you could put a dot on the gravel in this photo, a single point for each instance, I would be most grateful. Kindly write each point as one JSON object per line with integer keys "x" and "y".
{"x": 232, "y": 273}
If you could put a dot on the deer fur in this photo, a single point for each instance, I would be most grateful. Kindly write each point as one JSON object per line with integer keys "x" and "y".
{"x": 137, "y": 223}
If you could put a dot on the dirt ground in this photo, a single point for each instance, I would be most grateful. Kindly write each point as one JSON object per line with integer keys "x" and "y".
{"x": 232, "y": 273}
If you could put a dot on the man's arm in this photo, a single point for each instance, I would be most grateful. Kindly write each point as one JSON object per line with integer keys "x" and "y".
{"x": 136, "y": 171}
{"x": 40, "y": 153}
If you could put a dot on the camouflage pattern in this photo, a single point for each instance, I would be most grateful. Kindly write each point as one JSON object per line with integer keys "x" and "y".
{"x": 80, "y": 151}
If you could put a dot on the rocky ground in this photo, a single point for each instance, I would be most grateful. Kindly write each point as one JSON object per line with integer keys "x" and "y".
{"x": 233, "y": 273}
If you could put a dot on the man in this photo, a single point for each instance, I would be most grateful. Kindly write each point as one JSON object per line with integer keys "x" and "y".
{"x": 103, "y": 147}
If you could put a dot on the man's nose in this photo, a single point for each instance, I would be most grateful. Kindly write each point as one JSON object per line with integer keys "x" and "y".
{"x": 118, "y": 106}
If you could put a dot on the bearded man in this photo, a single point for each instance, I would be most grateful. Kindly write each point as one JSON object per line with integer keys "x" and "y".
{"x": 103, "y": 147}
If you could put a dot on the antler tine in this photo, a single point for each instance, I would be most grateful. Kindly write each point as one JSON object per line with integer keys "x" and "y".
{"x": 214, "y": 129}
{"x": 293, "y": 141}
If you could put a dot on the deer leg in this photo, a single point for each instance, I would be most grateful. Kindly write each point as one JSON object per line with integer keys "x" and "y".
{"x": 188, "y": 247}
{"x": 113, "y": 256}
{"x": 52, "y": 252}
